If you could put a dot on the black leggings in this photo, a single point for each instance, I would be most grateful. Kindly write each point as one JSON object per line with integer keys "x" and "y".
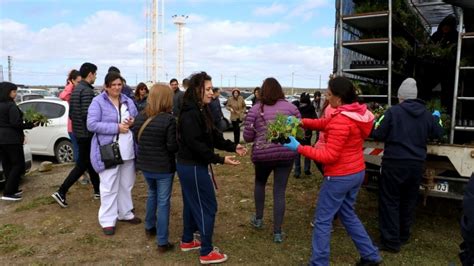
{"x": 13, "y": 163}
{"x": 281, "y": 171}
{"x": 236, "y": 128}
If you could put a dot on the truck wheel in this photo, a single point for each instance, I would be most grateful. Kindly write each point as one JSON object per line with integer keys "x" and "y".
{"x": 64, "y": 152}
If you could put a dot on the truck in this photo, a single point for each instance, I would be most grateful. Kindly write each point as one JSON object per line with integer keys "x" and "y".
{"x": 379, "y": 43}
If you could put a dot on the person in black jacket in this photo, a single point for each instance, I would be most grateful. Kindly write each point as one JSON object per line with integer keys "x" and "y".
{"x": 11, "y": 141}
{"x": 216, "y": 110}
{"x": 307, "y": 111}
{"x": 79, "y": 103}
{"x": 197, "y": 138}
{"x": 157, "y": 147}
{"x": 405, "y": 128}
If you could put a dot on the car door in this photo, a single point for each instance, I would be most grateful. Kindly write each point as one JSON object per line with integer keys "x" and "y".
{"x": 41, "y": 138}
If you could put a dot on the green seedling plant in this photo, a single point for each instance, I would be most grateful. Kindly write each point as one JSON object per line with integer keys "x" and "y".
{"x": 31, "y": 116}
{"x": 279, "y": 130}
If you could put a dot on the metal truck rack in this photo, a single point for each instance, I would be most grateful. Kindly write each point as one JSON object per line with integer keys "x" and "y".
{"x": 448, "y": 166}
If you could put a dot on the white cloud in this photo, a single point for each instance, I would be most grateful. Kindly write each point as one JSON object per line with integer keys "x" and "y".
{"x": 107, "y": 38}
{"x": 306, "y": 9}
{"x": 274, "y": 9}
{"x": 324, "y": 32}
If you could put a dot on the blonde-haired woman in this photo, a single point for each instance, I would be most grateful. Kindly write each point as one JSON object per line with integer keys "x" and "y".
{"x": 155, "y": 129}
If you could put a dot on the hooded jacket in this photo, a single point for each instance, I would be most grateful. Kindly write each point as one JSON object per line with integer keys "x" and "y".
{"x": 406, "y": 128}
{"x": 345, "y": 131}
{"x": 195, "y": 141}
{"x": 255, "y": 130}
{"x": 12, "y": 124}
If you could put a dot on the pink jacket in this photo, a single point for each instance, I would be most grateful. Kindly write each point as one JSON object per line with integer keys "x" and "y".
{"x": 65, "y": 95}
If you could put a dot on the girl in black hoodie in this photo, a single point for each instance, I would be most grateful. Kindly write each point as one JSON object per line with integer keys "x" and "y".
{"x": 197, "y": 138}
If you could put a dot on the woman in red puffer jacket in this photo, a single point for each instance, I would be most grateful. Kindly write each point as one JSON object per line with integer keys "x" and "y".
{"x": 344, "y": 170}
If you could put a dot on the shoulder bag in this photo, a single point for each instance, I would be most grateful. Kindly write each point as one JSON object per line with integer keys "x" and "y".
{"x": 110, "y": 153}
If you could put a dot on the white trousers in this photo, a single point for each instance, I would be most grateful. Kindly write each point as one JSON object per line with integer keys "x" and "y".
{"x": 116, "y": 186}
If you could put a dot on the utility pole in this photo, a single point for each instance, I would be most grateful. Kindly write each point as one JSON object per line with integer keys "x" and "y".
{"x": 180, "y": 21}
{"x": 221, "y": 81}
{"x": 235, "y": 81}
{"x": 292, "y": 82}
{"x": 9, "y": 68}
{"x": 154, "y": 52}
{"x": 319, "y": 81}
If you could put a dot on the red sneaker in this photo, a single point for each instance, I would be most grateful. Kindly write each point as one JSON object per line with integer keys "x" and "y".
{"x": 213, "y": 257}
{"x": 195, "y": 244}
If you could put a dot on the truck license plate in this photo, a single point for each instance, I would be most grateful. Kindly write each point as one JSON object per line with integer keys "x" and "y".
{"x": 442, "y": 187}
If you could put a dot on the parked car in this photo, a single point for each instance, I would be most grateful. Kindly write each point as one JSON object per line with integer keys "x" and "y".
{"x": 249, "y": 101}
{"x": 28, "y": 163}
{"x": 25, "y": 97}
{"x": 53, "y": 139}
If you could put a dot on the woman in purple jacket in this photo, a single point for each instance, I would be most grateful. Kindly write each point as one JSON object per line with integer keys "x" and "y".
{"x": 110, "y": 116}
{"x": 267, "y": 156}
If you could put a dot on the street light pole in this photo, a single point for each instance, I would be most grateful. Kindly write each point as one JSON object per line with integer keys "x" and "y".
{"x": 292, "y": 82}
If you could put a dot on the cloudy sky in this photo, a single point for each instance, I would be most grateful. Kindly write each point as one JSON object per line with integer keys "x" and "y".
{"x": 235, "y": 41}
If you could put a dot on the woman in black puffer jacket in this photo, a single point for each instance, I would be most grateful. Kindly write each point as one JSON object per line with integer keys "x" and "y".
{"x": 11, "y": 141}
{"x": 157, "y": 146}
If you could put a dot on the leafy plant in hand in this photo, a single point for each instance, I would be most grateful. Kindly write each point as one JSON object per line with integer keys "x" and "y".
{"x": 279, "y": 130}
{"x": 31, "y": 116}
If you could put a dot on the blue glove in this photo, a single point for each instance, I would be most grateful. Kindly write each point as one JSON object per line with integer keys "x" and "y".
{"x": 436, "y": 113}
{"x": 293, "y": 145}
{"x": 290, "y": 119}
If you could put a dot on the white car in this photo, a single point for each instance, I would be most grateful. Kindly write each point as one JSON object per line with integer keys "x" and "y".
{"x": 53, "y": 139}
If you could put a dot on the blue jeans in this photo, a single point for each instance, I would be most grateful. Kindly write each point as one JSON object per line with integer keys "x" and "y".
{"x": 307, "y": 164}
{"x": 338, "y": 195}
{"x": 159, "y": 195}
{"x": 75, "y": 147}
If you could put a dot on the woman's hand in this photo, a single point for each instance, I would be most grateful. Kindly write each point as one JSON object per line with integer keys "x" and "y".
{"x": 241, "y": 150}
{"x": 123, "y": 128}
{"x": 231, "y": 160}
{"x": 129, "y": 121}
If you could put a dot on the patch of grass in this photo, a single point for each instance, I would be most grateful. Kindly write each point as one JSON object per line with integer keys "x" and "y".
{"x": 88, "y": 239}
{"x": 92, "y": 240}
{"x": 35, "y": 203}
{"x": 27, "y": 251}
{"x": 8, "y": 234}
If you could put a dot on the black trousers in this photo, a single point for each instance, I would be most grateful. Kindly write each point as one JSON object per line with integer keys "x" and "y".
{"x": 13, "y": 163}
{"x": 399, "y": 186}
{"x": 83, "y": 164}
{"x": 236, "y": 128}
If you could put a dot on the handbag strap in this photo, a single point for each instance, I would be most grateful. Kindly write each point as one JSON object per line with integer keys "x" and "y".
{"x": 144, "y": 126}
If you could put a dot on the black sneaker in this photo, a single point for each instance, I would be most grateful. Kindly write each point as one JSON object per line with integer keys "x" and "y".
{"x": 60, "y": 199}
{"x": 11, "y": 197}
{"x": 150, "y": 232}
{"x": 96, "y": 195}
{"x": 19, "y": 192}
{"x": 365, "y": 262}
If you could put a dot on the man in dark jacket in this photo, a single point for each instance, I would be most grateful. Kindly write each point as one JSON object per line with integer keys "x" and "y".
{"x": 216, "y": 110}
{"x": 405, "y": 128}
{"x": 177, "y": 98}
{"x": 79, "y": 103}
